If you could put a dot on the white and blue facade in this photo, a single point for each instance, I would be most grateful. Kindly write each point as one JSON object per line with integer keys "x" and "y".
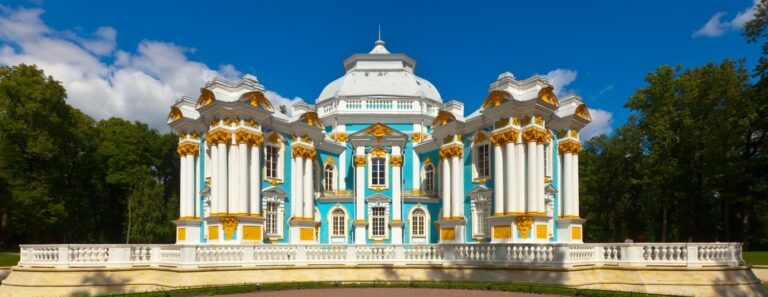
{"x": 379, "y": 159}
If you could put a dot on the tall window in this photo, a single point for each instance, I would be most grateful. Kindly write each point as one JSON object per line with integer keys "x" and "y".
{"x": 482, "y": 211}
{"x": 484, "y": 160}
{"x": 338, "y": 223}
{"x": 272, "y": 209}
{"x": 328, "y": 178}
{"x": 270, "y": 161}
{"x": 429, "y": 178}
{"x": 378, "y": 218}
{"x": 378, "y": 177}
{"x": 417, "y": 222}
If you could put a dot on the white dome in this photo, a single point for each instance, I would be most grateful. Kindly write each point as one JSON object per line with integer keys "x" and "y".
{"x": 379, "y": 74}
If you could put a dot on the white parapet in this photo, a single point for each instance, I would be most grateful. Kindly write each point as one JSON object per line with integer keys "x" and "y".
{"x": 692, "y": 255}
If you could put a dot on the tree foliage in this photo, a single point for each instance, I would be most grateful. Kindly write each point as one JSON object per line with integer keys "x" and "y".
{"x": 67, "y": 178}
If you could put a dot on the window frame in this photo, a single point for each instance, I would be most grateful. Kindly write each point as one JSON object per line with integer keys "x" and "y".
{"x": 424, "y": 237}
{"x": 478, "y": 143}
{"x": 274, "y": 141}
{"x": 326, "y": 181}
{"x": 378, "y": 152}
{"x": 274, "y": 194}
{"x": 425, "y": 183}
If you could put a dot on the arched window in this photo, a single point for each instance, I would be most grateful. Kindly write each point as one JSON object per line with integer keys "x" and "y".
{"x": 337, "y": 222}
{"x": 328, "y": 177}
{"x": 429, "y": 178}
{"x": 418, "y": 222}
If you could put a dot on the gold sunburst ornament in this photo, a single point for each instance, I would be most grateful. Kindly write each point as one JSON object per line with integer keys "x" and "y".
{"x": 174, "y": 115}
{"x": 378, "y": 130}
{"x": 312, "y": 119}
{"x": 495, "y": 98}
{"x": 583, "y": 112}
{"x": 547, "y": 94}
{"x": 206, "y": 97}
{"x": 443, "y": 117}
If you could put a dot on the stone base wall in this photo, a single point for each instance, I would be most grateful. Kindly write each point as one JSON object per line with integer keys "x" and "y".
{"x": 712, "y": 281}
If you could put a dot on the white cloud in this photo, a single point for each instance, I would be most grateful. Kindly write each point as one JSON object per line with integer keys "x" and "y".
{"x": 716, "y": 27}
{"x": 278, "y": 100}
{"x": 136, "y": 85}
{"x": 601, "y": 124}
{"x": 560, "y": 78}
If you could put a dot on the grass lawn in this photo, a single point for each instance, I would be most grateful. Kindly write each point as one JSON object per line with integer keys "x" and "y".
{"x": 756, "y": 258}
{"x": 8, "y": 260}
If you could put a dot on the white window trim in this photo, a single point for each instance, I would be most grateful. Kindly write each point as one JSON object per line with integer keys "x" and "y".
{"x": 334, "y": 182}
{"x": 475, "y": 218}
{"x": 427, "y": 222}
{"x": 280, "y": 215}
{"x": 424, "y": 178}
{"x": 386, "y": 172}
{"x": 387, "y": 210}
{"x": 474, "y": 149}
{"x": 280, "y": 160}
{"x": 331, "y": 237}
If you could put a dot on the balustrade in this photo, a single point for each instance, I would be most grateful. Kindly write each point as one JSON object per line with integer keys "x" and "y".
{"x": 563, "y": 255}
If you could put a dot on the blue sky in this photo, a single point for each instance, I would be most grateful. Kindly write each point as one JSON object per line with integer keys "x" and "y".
{"x": 133, "y": 59}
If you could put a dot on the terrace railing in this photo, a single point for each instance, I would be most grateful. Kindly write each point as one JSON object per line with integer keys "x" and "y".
{"x": 547, "y": 255}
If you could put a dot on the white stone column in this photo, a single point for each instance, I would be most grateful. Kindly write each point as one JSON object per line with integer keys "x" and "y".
{"x": 457, "y": 185}
{"x": 255, "y": 177}
{"x": 360, "y": 234}
{"x": 575, "y": 185}
{"x": 397, "y": 183}
{"x": 540, "y": 177}
{"x": 196, "y": 188}
{"x": 520, "y": 182}
{"x": 298, "y": 197}
{"x": 446, "y": 185}
{"x": 190, "y": 199}
{"x": 530, "y": 175}
{"x": 233, "y": 174}
{"x": 183, "y": 185}
{"x": 223, "y": 181}
{"x": 499, "y": 165}
{"x": 566, "y": 195}
{"x": 242, "y": 180}
{"x": 214, "y": 169}
{"x": 342, "y": 171}
{"x": 309, "y": 185}
{"x": 510, "y": 173}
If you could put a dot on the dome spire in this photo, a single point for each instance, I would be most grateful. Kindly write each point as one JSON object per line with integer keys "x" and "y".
{"x": 379, "y": 45}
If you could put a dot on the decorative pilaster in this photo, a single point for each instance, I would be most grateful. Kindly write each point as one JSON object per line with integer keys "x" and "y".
{"x": 187, "y": 231}
{"x": 397, "y": 183}
{"x": 499, "y": 179}
{"x": 359, "y": 223}
{"x": 453, "y": 222}
{"x": 570, "y": 224}
{"x": 445, "y": 176}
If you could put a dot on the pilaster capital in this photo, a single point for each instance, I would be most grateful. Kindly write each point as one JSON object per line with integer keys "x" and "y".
{"x": 249, "y": 137}
{"x": 535, "y": 134}
{"x": 188, "y": 148}
{"x": 506, "y": 136}
{"x": 569, "y": 146}
{"x": 397, "y": 161}
{"x": 451, "y": 151}
{"x": 218, "y": 137}
{"x": 304, "y": 152}
{"x": 359, "y": 161}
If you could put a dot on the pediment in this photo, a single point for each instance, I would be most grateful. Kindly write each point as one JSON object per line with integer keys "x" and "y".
{"x": 378, "y": 197}
{"x": 273, "y": 192}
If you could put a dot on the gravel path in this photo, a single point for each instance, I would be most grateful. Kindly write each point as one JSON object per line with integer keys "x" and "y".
{"x": 386, "y": 292}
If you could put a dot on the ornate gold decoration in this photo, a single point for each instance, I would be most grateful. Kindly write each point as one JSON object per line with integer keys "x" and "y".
{"x": 218, "y": 136}
{"x": 175, "y": 114}
{"x": 206, "y": 97}
{"x": 515, "y": 121}
{"x": 535, "y": 135}
{"x": 312, "y": 119}
{"x": 583, "y": 112}
{"x": 574, "y": 133}
{"x": 359, "y": 161}
{"x": 329, "y": 160}
{"x": 215, "y": 121}
{"x": 229, "y": 224}
{"x": 182, "y": 135}
{"x": 481, "y": 180}
{"x": 275, "y": 138}
{"x": 293, "y": 137}
{"x": 188, "y": 148}
{"x": 547, "y": 94}
{"x": 339, "y": 136}
{"x": 523, "y": 224}
{"x": 428, "y": 160}
{"x": 249, "y": 137}
{"x": 304, "y": 152}
{"x": 495, "y": 98}
{"x": 378, "y": 189}
{"x": 479, "y": 137}
{"x": 569, "y": 147}
{"x": 448, "y": 139}
{"x": 526, "y": 121}
{"x": 451, "y": 151}
{"x": 547, "y": 179}
{"x": 237, "y": 121}
{"x": 506, "y": 136}
{"x": 251, "y": 123}
{"x": 397, "y": 161}
{"x": 416, "y": 136}
{"x": 538, "y": 121}
{"x": 502, "y": 122}
{"x": 443, "y": 117}
{"x": 378, "y": 130}
{"x": 194, "y": 135}
{"x": 208, "y": 180}
{"x": 378, "y": 152}
{"x": 227, "y": 121}
{"x": 256, "y": 98}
